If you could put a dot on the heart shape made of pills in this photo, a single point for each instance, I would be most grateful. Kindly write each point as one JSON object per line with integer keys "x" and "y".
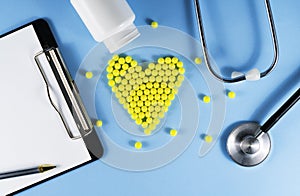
{"x": 145, "y": 94}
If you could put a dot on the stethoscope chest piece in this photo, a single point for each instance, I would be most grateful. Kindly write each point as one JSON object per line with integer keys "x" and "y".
{"x": 246, "y": 149}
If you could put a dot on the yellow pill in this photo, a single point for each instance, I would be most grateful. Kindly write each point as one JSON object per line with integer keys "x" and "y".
{"x": 138, "y": 145}
{"x": 132, "y": 93}
{"x": 174, "y": 60}
{"x": 164, "y": 97}
{"x": 172, "y": 78}
{"x": 161, "y": 73}
{"x": 175, "y": 91}
{"x": 133, "y": 104}
{"x": 128, "y": 76}
{"x": 180, "y": 78}
{"x": 152, "y": 126}
{"x": 125, "y": 93}
{"x": 146, "y": 92}
{"x": 116, "y": 72}
{"x": 151, "y": 66}
{"x": 136, "y": 98}
{"x": 114, "y": 89}
{"x": 154, "y": 115}
{"x": 178, "y": 83}
{"x": 175, "y": 72}
{"x": 110, "y": 76}
{"x": 99, "y": 123}
{"x": 167, "y": 90}
{"x": 151, "y": 108}
{"x": 153, "y": 91}
{"x": 118, "y": 80}
{"x": 149, "y": 85}
{"x": 122, "y": 72}
{"x": 160, "y": 91}
{"x": 139, "y": 93}
{"x": 121, "y": 87}
{"x": 139, "y": 81}
{"x": 147, "y": 131}
{"x": 168, "y": 72}
{"x": 138, "y": 121}
{"x": 157, "y": 96}
{"x": 150, "y": 97}
{"x": 179, "y": 64}
{"x": 117, "y": 66}
{"x": 138, "y": 68}
{"x": 140, "y": 103}
{"x": 231, "y": 94}
{"x": 156, "y": 121}
{"x": 135, "y": 75}
{"x": 111, "y": 61}
{"x": 142, "y": 87}
{"x": 89, "y": 74}
{"x": 171, "y": 85}
{"x": 154, "y": 73}
{"x": 157, "y": 108}
{"x": 126, "y": 106}
{"x": 198, "y": 60}
{"x": 156, "y": 85}
{"x": 154, "y": 24}
{"x": 160, "y": 102}
{"x": 121, "y": 60}
{"x": 132, "y": 82}
{"x": 133, "y": 63}
{"x": 161, "y": 60}
{"x": 130, "y": 111}
{"x": 134, "y": 116}
{"x": 124, "y": 82}
{"x": 147, "y": 114}
{"x": 128, "y": 59}
{"x": 111, "y": 83}
{"x": 130, "y": 69}
{"x": 206, "y": 99}
{"x": 168, "y": 60}
{"x": 109, "y": 69}
{"x": 135, "y": 87}
{"x": 148, "y": 72}
{"x": 144, "y": 97}
{"x": 161, "y": 114}
{"x": 145, "y": 80}
{"x": 149, "y": 120}
{"x": 144, "y": 109}
{"x": 128, "y": 87}
{"x": 158, "y": 67}
{"x": 142, "y": 75}
{"x": 165, "y": 108}
{"x": 208, "y": 138}
{"x": 141, "y": 115}
{"x": 125, "y": 66}
{"x": 167, "y": 103}
{"x": 129, "y": 99}
{"x": 158, "y": 79}
{"x": 171, "y": 96}
{"x": 171, "y": 66}
{"x": 165, "y": 66}
{"x": 151, "y": 79}
{"x": 181, "y": 70}
{"x": 115, "y": 57}
{"x": 118, "y": 95}
{"x": 144, "y": 125}
{"x": 122, "y": 100}
{"x": 173, "y": 132}
{"x": 137, "y": 110}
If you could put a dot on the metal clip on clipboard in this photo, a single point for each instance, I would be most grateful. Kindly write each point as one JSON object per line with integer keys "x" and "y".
{"x": 63, "y": 93}
{"x": 253, "y": 74}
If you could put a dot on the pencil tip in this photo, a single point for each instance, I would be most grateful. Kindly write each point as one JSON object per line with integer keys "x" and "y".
{"x": 46, "y": 167}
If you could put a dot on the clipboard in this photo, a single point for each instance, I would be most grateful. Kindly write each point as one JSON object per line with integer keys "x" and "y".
{"x": 43, "y": 119}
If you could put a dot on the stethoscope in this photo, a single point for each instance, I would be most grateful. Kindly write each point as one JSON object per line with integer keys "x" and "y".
{"x": 249, "y": 143}
{"x": 253, "y": 74}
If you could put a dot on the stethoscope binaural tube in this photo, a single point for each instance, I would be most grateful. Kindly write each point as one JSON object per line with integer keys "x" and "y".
{"x": 241, "y": 77}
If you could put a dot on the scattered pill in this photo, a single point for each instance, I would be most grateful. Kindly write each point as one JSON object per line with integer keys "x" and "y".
{"x": 99, "y": 123}
{"x": 138, "y": 145}
{"x": 206, "y": 99}
{"x": 173, "y": 132}
{"x": 208, "y": 138}
{"x": 89, "y": 74}
{"x": 198, "y": 60}
{"x": 154, "y": 24}
{"x": 231, "y": 94}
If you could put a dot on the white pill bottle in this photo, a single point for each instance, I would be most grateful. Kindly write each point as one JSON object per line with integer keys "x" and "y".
{"x": 109, "y": 21}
